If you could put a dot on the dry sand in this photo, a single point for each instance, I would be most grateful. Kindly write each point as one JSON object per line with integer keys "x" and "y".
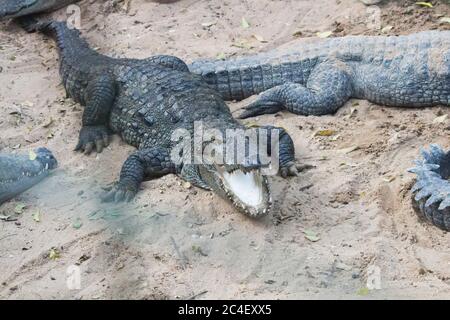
{"x": 357, "y": 203}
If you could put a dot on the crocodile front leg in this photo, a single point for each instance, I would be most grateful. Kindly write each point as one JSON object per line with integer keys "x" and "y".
{"x": 287, "y": 165}
{"x": 146, "y": 163}
{"x": 327, "y": 89}
{"x": 100, "y": 95}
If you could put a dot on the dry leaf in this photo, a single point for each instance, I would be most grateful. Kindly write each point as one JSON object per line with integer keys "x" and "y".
{"x": 387, "y": 29}
{"x": 348, "y": 150}
{"x": 325, "y": 133}
{"x": 441, "y": 119}
{"x": 325, "y": 34}
{"x": 259, "y": 38}
{"x": 208, "y": 24}
{"x": 48, "y": 123}
{"x": 389, "y": 179}
{"x": 425, "y": 4}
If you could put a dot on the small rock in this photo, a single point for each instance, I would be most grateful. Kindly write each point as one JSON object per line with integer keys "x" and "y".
{"x": 187, "y": 185}
{"x": 343, "y": 266}
{"x": 370, "y": 2}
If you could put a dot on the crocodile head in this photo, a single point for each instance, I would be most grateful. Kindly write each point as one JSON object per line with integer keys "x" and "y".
{"x": 46, "y": 158}
{"x": 244, "y": 186}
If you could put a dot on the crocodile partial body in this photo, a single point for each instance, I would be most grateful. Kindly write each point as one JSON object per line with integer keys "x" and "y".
{"x": 431, "y": 192}
{"x": 18, "y": 8}
{"x": 20, "y": 172}
{"x": 317, "y": 77}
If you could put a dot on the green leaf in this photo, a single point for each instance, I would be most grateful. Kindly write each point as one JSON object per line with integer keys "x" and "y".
{"x": 77, "y": 224}
{"x": 311, "y": 235}
{"x": 244, "y": 23}
{"x": 32, "y": 155}
{"x": 221, "y": 56}
{"x": 36, "y": 216}
{"x": 18, "y": 209}
{"x": 54, "y": 254}
{"x": 425, "y": 4}
{"x": 363, "y": 291}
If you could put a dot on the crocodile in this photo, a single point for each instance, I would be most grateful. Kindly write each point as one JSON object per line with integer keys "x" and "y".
{"x": 431, "y": 192}
{"x": 18, "y": 173}
{"x": 318, "y": 76}
{"x": 147, "y": 101}
{"x": 10, "y": 9}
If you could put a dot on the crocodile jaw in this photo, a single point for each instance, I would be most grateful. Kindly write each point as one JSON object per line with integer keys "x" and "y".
{"x": 248, "y": 191}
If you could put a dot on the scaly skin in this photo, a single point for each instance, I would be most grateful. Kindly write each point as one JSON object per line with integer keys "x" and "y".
{"x": 431, "y": 193}
{"x": 17, "y": 8}
{"x": 145, "y": 101}
{"x": 318, "y": 77}
{"x": 18, "y": 173}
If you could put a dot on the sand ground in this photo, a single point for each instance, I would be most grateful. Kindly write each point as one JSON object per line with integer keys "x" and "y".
{"x": 178, "y": 242}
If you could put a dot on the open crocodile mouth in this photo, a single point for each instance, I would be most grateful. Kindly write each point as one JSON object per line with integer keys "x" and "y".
{"x": 248, "y": 190}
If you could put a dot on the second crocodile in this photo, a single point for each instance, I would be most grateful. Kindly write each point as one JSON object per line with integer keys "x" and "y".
{"x": 318, "y": 76}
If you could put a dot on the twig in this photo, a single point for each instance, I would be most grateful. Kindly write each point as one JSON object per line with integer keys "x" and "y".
{"x": 180, "y": 255}
{"x": 197, "y": 295}
{"x": 308, "y": 186}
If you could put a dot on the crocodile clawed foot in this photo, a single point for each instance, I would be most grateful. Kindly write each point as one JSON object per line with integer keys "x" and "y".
{"x": 92, "y": 137}
{"x": 119, "y": 193}
{"x": 260, "y": 107}
{"x": 292, "y": 169}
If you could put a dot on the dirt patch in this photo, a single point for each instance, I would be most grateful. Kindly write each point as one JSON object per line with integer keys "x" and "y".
{"x": 335, "y": 225}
